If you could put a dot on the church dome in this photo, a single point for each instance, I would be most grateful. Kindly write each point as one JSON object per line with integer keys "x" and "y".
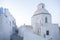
{"x": 41, "y": 9}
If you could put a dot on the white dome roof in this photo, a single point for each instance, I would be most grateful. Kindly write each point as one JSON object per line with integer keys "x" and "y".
{"x": 41, "y": 9}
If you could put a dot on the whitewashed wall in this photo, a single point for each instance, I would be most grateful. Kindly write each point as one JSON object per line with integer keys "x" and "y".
{"x": 6, "y": 24}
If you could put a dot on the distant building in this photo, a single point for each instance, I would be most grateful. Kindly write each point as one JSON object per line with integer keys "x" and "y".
{"x": 7, "y": 24}
{"x": 41, "y": 26}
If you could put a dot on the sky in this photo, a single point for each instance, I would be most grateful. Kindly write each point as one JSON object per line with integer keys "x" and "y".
{"x": 22, "y": 10}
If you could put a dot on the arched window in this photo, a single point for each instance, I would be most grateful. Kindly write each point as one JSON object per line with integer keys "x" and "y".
{"x": 47, "y": 32}
{"x": 42, "y": 6}
{"x": 45, "y": 19}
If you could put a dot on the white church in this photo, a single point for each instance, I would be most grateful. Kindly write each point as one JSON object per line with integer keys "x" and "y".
{"x": 41, "y": 27}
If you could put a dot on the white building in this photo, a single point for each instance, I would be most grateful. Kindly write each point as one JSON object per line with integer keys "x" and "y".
{"x": 7, "y": 24}
{"x": 41, "y": 26}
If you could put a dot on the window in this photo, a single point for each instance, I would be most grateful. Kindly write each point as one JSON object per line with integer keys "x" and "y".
{"x": 1, "y": 10}
{"x": 47, "y": 32}
{"x": 46, "y": 20}
{"x": 44, "y": 35}
{"x": 10, "y": 23}
{"x": 5, "y": 15}
{"x": 42, "y": 6}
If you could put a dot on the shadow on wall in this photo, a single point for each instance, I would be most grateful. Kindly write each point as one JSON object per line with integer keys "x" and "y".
{"x": 15, "y": 36}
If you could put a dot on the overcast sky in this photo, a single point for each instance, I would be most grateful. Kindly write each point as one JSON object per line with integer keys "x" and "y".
{"x": 22, "y": 10}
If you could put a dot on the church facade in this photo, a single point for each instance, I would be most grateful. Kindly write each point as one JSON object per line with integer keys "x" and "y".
{"x": 41, "y": 27}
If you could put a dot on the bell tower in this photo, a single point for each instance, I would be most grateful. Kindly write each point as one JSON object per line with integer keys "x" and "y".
{"x": 40, "y": 6}
{"x": 40, "y": 18}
